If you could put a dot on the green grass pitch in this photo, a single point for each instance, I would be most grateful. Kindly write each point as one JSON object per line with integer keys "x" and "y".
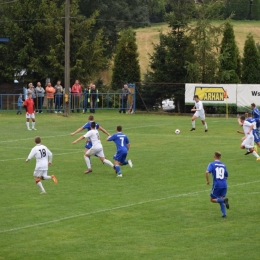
{"x": 160, "y": 209}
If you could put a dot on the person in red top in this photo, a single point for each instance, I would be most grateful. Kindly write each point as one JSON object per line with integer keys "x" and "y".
{"x": 30, "y": 111}
{"x": 76, "y": 91}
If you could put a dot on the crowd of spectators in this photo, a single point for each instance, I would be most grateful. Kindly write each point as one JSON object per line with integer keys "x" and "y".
{"x": 80, "y": 97}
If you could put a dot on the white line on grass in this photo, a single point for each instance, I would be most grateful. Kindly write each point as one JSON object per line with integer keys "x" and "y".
{"x": 25, "y": 158}
{"x": 116, "y": 208}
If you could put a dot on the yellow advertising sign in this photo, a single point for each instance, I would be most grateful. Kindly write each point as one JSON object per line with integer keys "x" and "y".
{"x": 211, "y": 93}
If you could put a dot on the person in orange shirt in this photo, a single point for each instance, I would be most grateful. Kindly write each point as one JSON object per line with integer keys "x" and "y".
{"x": 76, "y": 92}
{"x": 30, "y": 111}
{"x": 50, "y": 90}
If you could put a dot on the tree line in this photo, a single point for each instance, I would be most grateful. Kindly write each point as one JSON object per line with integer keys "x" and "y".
{"x": 102, "y": 32}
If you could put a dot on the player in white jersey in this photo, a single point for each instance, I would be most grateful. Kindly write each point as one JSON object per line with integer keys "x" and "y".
{"x": 248, "y": 142}
{"x": 199, "y": 112}
{"x": 43, "y": 159}
{"x": 96, "y": 149}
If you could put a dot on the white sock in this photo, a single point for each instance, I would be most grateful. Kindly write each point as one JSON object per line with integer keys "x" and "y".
{"x": 33, "y": 124}
{"x": 206, "y": 126}
{"x": 27, "y": 125}
{"x": 108, "y": 162}
{"x": 47, "y": 177}
{"x": 255, "y": 154}
{"x": 193, "y": 124}
{"x": 40, "y": 186}
{"x": 86, "y": 158}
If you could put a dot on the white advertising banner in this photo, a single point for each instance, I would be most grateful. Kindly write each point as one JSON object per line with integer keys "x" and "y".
{"x": 247, "y": 94}
{"x": 211, "y": 94}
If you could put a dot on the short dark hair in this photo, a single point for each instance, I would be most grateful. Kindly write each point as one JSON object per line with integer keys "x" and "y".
{"x": 119, "y": 128}
{"x": 218, "y": 155}
{"x": 90, "y": 118}
{"x": 196, "y": 96}
{"x": 243, "y": 118}
{"x": 93, "y": 125}
{"x": 253, "y": 104}
{"x": 37, "y": 140}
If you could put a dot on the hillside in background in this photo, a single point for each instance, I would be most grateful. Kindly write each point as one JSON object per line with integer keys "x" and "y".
{"x": 149, "y": 35}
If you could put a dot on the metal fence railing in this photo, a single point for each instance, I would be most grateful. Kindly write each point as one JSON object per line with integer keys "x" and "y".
{"x": 80, "y": 103}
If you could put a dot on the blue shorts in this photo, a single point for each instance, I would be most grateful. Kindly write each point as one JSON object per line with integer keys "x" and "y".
{"x": 120, "y": 156}
{"x": 218, "y": 192}
{"x": 256, "y": 136}
{"x": 88, "y": 145}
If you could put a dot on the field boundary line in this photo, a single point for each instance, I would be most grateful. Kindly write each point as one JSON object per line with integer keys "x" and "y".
{"x": 115, "y": 208}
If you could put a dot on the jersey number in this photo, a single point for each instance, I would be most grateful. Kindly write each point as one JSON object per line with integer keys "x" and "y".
{"x": 220, "y": 173}
{"x": 42, "y": 152}
{"x": 122, "y": 141}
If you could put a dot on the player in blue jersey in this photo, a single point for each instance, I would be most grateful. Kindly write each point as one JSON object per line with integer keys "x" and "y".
{"x": 256, "y": 115}
{"x": 219, "y": 174}
{"x": 122, "y": 144}
{"x": 87, "y": 127}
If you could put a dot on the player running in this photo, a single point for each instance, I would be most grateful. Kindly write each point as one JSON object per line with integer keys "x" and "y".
{"x": 199, "y": 112}
{"x": 30, "y": 112}
{"x": 43, "y": 159}
{"x": 87, "y": 126}
{"x": 96, "y": 148}
{"x": 219, "y": 188}
{"x": 256, "y": 115}
{"x": 123, "y": 146}
{"x": 248, "y": 141}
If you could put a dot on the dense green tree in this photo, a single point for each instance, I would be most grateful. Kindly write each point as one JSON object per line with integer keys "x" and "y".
{"x": 229, "y": 57}
{"x": 36, "y": 29}
{"x": 126, "y": 63}
{"x": 250, "y": 62}
{"x": 241, "y": 9}
{"x": 156, "y": 10}
{"x": 205, "y": 36}
{"x": 168, "y": 63}
{"x": 115, "y": 16}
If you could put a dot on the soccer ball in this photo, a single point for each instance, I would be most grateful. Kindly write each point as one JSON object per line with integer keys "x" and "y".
{"x": 177, "y": 131}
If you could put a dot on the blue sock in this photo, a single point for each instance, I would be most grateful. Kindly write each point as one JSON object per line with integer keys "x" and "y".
{"x": 223, "y": 208}
{"x": 118, "y": 169}
{"x": 219, "y": 200}
{"x": 125, "y": 163}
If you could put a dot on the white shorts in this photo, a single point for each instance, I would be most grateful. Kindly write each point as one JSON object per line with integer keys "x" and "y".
{"x": 30, "y": 115}
{"x": 248, "y": 142}
{"x": 96, "y": 151}
{"x": 40, "y": 173}
{"x": 200, "y": 114}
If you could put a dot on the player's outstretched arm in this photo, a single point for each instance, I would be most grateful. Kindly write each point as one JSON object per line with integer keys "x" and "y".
{"x": 240, "y": 132}
{"x": 104, "y": 130}
{"x": 79, "y": 139}
{"x": 77, "y": 131}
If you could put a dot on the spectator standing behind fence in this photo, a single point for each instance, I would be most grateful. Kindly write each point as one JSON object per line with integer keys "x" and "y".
{"x": 76, "y": 91}
{"x": 58, "y": 96}
{"x": 39, "y": 97}
{"x": 124, "y": 97}
{"x": 50, "y": 97}
{"x": 31, "y": 90}
{"x": 93, "y": 97}
{"x": 85, "y": 99}
{"x": 20, "y": 104}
